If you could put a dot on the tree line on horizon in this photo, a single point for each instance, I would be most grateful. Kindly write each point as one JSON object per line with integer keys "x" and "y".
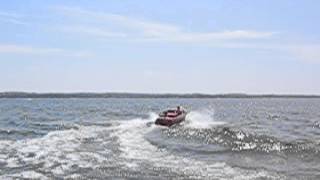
{"x": 144, "y": 95}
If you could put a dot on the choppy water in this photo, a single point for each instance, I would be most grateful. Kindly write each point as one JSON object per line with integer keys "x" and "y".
{"x": 115, "y": 139}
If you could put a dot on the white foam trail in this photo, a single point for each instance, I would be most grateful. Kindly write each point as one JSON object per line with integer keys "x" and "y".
{"x": 58, "y": 151}
{"x": 201, "y": 119}
{"x": 25, "y": 175}
{"x": 135, "y": 149}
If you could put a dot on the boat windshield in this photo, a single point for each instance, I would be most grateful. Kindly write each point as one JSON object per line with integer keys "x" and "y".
{"x": 171, "y": 111}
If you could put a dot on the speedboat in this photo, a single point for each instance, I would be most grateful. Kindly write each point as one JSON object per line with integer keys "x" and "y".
{"x": 171, "y": 117}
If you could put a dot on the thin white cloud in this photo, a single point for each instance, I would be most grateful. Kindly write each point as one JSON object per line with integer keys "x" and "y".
{"x": 118, "y": 20}
{"x": 107, "y": 25}
{"x": 98, "y": 32}
{"x": 147, "y": 30}
{"x": 302, "y": 52}
{"x": 18, "y": 49}
{"x": 10, "y": 14}
{"x": 28, "y": 50}
{"x": 12, "y": 18}
{"x": 212, "y": 36}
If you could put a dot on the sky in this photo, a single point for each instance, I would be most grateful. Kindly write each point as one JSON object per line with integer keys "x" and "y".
{"x": 160, "y": 46}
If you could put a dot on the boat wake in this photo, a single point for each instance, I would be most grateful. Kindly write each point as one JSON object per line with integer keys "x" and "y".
{"x": 118, "y": 149}
{"x": 148, "y": 148}
{"x": 202, "y": 119}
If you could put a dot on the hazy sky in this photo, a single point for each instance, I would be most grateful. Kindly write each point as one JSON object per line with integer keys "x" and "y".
{"x": 174, "y": 46}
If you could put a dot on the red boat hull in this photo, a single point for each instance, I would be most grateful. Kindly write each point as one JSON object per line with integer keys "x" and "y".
{"x": 169, "y": 121}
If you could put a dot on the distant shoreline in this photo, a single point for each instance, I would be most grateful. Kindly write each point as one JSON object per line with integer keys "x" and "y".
{"x": 144, "y": 95}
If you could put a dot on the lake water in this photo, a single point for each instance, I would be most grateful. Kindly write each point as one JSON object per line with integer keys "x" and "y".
{"x": 274, "y": 138}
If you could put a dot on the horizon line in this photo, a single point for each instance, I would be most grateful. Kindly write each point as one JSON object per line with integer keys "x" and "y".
{"x": 194, "y": 94}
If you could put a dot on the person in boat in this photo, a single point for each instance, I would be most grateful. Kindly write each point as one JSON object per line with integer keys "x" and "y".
{"x": 179, "y": 110}
{"x": 174, "y": 112}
